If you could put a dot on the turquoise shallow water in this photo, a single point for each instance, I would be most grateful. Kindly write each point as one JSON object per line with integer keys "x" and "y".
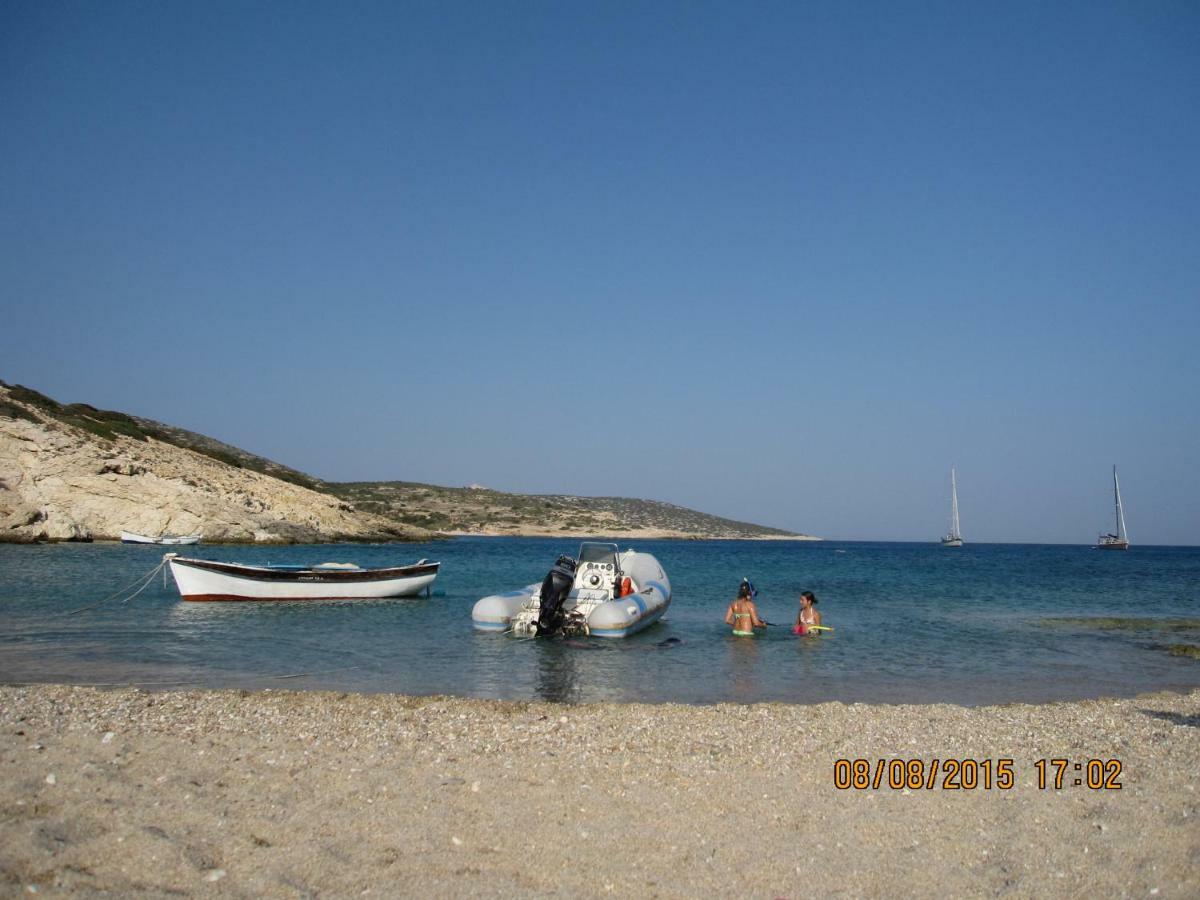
{"x": 913, "y": 623}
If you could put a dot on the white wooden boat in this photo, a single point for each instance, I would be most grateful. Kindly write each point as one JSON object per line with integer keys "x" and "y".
{"x": 954, "y": 538}
{"x": 202, "y": 579}
{"x": 1120, "y": 540}
{"x": 603, "y": 593}
{"x": 129, "y": 537}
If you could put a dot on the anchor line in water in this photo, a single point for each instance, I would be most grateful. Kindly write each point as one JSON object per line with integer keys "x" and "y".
{"x": 324, "y": 672}
{"x": 142, "y": 580}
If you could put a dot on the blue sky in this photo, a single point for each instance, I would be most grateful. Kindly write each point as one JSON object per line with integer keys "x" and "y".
{"x": 781, "y": 262}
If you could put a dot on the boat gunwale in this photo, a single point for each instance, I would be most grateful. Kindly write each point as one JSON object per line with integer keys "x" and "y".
{"x": 239, "y": 598}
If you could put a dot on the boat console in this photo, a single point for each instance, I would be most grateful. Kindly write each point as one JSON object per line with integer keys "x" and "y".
{"x": 598, "y": 572}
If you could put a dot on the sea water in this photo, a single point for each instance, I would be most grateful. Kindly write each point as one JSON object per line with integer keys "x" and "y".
{"x": 911, "y": 623}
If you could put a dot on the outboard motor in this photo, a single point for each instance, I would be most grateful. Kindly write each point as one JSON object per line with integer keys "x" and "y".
{"x": 555, "y": 587}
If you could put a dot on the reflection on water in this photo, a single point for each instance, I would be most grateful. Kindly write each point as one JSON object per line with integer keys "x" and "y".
{"x": 557, "y": 673}
{"x": 961, "y": 638}
{"x": 743, "y": 666}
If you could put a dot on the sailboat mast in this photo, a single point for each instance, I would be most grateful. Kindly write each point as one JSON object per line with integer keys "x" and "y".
{"x": 953, "y": 505}
{"x": 1120, "y": 512}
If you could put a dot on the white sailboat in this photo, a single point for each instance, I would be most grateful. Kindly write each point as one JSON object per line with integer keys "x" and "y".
{"x": 954, "y": 538}
{"x": 1120, "y": 540}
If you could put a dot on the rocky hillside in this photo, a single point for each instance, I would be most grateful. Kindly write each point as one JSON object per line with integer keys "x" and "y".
{"x": 74, "y": 472}
{"x": 478, "y": 510}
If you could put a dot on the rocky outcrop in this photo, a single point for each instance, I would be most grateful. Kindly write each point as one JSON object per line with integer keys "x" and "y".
{"x": 76, "y": 473}
{"x": 60, "y": 482}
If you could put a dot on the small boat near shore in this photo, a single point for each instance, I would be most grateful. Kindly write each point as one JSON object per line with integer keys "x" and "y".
{"x": 603, "y": 592}
{"x": 129, "y": 537}
{"x": 202, "y": 579}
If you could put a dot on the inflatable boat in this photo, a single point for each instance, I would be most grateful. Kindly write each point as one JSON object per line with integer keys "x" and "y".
{"x": 603, "y": 592}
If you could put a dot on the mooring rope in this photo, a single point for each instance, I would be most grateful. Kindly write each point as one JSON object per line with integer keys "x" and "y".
{"x": 142, "y": 580}
{"x": 324, "y": 672}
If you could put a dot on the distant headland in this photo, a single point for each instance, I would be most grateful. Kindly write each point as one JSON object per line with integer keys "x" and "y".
{"x": 71, "y": 472}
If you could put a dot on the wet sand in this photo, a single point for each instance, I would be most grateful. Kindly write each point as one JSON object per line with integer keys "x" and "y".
{"x": 282, "y": 794}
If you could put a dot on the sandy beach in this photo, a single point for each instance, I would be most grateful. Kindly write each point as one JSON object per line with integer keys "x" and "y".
{"x": 294, "y": 794}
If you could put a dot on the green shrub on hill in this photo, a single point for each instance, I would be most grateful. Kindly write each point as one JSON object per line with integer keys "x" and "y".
{"x": 101, "y": 422}
{"x": 22, "y": 394}
{"x": 219, "y": 455}
{"x": 12, "y": 411}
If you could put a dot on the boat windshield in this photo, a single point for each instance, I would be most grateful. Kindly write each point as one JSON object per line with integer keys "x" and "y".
{"x": 604, "y": 554}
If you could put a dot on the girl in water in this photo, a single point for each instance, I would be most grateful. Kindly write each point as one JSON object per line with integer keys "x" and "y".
{"x": 742, "y": 613}
{"x": 808, "y": 616}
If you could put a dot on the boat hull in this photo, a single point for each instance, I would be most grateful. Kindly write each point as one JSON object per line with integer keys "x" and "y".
{"x": 128, "y": 537}
{"x": 952, "y": 542}
{"x": 617, "y": 618}
{"x": 205, "y": 580}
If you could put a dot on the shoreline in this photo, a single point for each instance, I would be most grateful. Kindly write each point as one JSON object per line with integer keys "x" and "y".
{"x": 434, "y": 537}
{"x": 633, "y": 536}
{"x": 290, "y": 683}
{"x": 280, "y": 793}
